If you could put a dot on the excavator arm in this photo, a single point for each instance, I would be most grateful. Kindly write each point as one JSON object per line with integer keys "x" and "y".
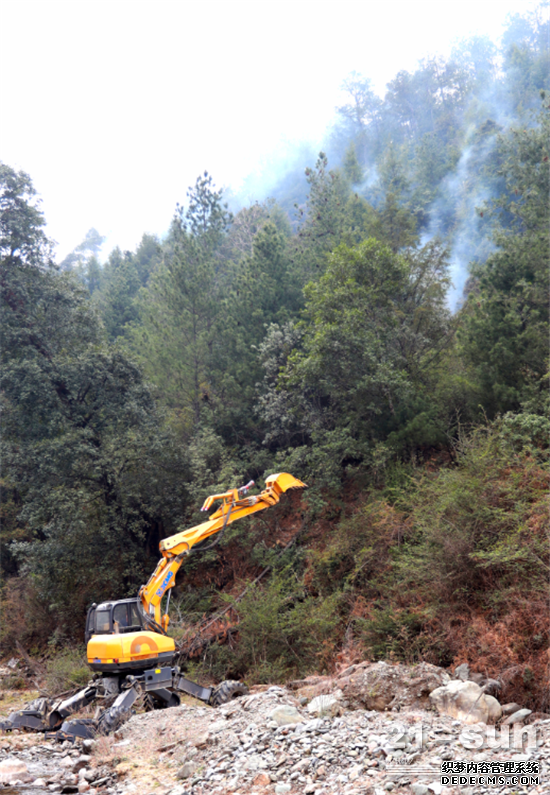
{"x": 235, "y": 504}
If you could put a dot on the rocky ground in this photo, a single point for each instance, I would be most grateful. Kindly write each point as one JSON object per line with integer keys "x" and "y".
{"x": 372, "y": 730}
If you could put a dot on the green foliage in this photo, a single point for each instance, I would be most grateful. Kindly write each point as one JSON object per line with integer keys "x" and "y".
{"x": 324, "y": 219}
{"x": 351, "y": 168}
{"x": 374, "y": 326}
{"x": 283, "y": 632}
{"x": 482, "y": 522}
{"x": 179, "y": 310}
{"x": 83, "y": 260}
{"x": 246, "y": 345}
{"x": 402, "y": 636}
{"x": 506, "y": 321}
{"x": 22, "y": 238}
{"x": 89, "y": 468}
{"x": 67, "y": 670}
{"x": 397, "y": 222}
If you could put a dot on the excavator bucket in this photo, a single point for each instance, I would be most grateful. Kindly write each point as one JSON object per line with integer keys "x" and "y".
{"x": 283, "y": 482}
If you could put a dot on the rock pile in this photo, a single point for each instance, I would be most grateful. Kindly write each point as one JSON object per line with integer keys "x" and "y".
{"x": 319, "y": 736}
{"x": 49, "y": 767}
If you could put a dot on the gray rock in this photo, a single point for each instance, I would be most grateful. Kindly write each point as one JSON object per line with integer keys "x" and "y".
{"x": 493, "y": 707}
{"x": 509, "y": 709}
{"x": 81, "y": 762}
{"x": 14, "y": 770}
{"x": 419, "y": 789}
{"x": 355, "y": 772}
{"x": 187, "y": 770}
{"x": 329, "y": 705}
{"x": 381, "y": 686}
{"x": 285, "y": 715}
{"x": 462, "y": 672}
{"x": 314, "y": 725}
{"x": 517, "y": 717}
{"x": 465, "y": 701}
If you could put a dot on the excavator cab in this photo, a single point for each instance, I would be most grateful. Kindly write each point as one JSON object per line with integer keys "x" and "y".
{"x": 118, "y": 639}
{"x": 113, "y": 618}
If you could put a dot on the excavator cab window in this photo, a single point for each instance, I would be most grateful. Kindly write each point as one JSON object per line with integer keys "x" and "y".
{"x": 98, "y": 621}
{"x": 102, "y": 623}
{"x": 135, "y": 620}
{"x": 120, "y": 617}
{"x": 126, "y": 617}
{"x": 123, "y": 616}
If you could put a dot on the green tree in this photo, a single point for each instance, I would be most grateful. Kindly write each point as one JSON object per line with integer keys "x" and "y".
{"x": 23, "y": 241}
{"x": 176, "y": 337}
{"x": 265, "y": 290}
{"x": 83, "y": 260}
{"x": 375, "y": 325}
{"x": 323, "y": 220}
{"x": 83, "y": 450}
{"x": 361, "y": 117}
{"x": 116, "y": 300}
{"x": 397, "y": 222}
{"x": 526, "y": 58}
{"x": 505, "y": 324}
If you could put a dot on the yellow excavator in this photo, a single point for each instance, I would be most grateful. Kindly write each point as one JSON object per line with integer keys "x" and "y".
{"x": 128, "y": 647}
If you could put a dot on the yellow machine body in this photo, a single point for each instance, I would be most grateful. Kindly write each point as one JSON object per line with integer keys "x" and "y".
{"x": 131, "y": 650}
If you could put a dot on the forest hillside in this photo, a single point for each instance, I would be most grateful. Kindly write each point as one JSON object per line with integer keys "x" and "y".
{"x": 377, "y": 326}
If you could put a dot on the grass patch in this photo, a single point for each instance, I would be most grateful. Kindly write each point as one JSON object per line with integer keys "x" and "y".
{"x": 67, "y": 670}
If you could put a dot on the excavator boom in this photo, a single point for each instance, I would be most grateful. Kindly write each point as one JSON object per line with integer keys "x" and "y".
{"x": 235, "y": 504}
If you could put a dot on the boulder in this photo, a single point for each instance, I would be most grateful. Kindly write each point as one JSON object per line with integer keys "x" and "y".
{"x": 326, "y": 706}
{"x": 14, "y": 770}
{"x": 535, "y": 716}
{"x": 202, "y": 740}
{"x": 187, "y": 770}
{"x": 462, "y": 672}
{"x": 285, "y": 715}
{"x": 465, "y": 701}
{"x": 383, "y": 685}
{"x": 517, "y": 717}
{"x": 82, "y": 762}
{"x": 509, "y": 709}
{"x": 495, "y": 710}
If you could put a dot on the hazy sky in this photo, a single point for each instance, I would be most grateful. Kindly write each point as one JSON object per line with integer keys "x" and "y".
{"x": 114, "y": 108}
